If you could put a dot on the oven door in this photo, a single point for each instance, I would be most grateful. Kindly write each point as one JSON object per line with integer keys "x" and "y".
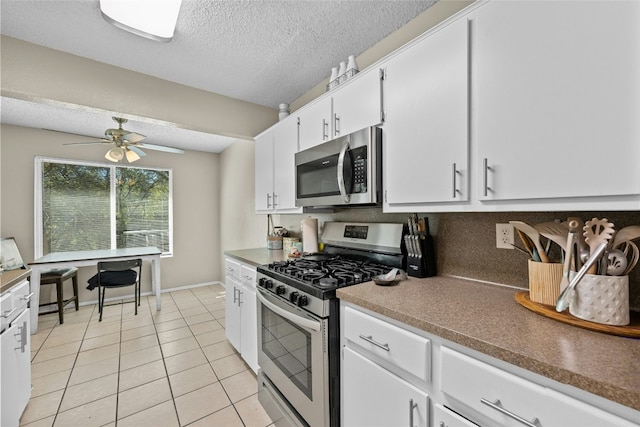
{"x": 292, "y": 354}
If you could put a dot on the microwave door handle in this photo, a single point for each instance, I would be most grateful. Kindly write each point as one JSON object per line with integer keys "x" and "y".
{"x": 300, "y": 321}
{"x": 341, "y": 186}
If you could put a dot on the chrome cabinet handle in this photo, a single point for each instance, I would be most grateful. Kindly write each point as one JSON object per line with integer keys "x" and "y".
{"x": 235, "y": 299}
{"x": 370, "y": 340}
{"x": 325, "y": 129}
{"x": 239, "y": 295}
{"x": 268, "y": 200}
{"x": 23, "y": 337}
{"x": 412, "y": 406}
{"x": 274, "y": 200}
{"x": 486, "y": 168}
{"x": 9, "y": 313}
{"x": 497, "y": 405}
{"x": 27, "y": 297}
{"x": 336, "y": 122}
{"x": 456, "y": 172}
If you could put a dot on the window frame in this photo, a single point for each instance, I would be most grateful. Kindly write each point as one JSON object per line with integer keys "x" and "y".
{"x": 38, "y": 217}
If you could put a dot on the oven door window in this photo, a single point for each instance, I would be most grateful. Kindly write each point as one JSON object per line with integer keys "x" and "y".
{"x": 289, "y": 347}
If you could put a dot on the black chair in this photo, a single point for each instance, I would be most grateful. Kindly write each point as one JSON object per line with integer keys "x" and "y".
{"x": 117, "y": 274}
{"x": 58, "y": 277}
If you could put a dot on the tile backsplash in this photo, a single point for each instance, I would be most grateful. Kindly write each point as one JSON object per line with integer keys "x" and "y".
{"x": 465, "y": 242}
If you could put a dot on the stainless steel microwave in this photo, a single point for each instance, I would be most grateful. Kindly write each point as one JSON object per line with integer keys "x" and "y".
{"x": 343, "y": 171}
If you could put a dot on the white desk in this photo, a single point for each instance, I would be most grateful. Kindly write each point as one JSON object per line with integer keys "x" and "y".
{"x": 88, "y": 258}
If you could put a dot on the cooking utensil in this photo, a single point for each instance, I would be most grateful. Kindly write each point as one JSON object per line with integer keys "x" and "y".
{"x": 566, "y": 296}
{"x": 596, "y": 232}
{"x": 631, "y": 232}
{"x": 570, "y": 251}
{"x": 616, "y": 262}
{"x": 631, "y": 252}
{"x": 554, "y": 231}
{"x": 578, "y": 225}
{"x": 390, "y": 278}
{"x": 533, "y": 234}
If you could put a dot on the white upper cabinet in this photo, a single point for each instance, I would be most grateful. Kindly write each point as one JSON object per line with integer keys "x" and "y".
{"x": 285, "y": 145}
{"x": 275, "y": 168}
{"x": 355, "y": 105}
{"x": 556, "y": 102}
{"x": 426, "y": 148}
{"x": 358, "y": 104}
{"x": 315, "y": 123}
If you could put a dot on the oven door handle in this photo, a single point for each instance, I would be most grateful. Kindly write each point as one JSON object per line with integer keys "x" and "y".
{"x": 341, "y": 186}
{"x": 306, "y": 323}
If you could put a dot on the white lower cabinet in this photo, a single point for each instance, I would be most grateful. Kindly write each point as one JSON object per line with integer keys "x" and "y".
{"x": 382, "y": 384}
{"x": 493, "y": 396}
{"x": 241, "y": 326}
{"x": 373, "y": 396}
{"x": 15, "y": 361}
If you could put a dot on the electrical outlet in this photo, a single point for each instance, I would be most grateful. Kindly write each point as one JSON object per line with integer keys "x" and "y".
{"x": 504, "y": 236}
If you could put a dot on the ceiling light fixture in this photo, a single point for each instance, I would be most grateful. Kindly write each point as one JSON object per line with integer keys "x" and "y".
{"x": 132, "y": 156}
{"x": 115, "y": 154}
{"x": 153, "y": 19}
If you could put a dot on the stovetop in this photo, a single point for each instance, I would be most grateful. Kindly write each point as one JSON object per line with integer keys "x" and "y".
{"x": 321, "y": 277}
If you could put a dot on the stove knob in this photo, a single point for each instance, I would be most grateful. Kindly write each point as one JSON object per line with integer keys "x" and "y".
{"x": 268, "y": 284}
{"x": 302, "y": 301}
{"x": 293, "y": 297}
{"x": 261, "y": 282}
{"x": 280, "y": 290}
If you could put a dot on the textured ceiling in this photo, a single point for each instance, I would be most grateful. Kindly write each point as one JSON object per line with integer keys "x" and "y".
{"x": 264, "y": 52}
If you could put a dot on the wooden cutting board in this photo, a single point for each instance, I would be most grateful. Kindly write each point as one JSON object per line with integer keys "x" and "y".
{"x": 631, "y": 330}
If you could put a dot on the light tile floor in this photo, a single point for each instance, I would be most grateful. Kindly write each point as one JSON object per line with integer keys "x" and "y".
{"x": 169, "y": 368}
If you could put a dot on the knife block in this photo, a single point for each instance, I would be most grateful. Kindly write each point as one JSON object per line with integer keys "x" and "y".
{"x": 424, "y": 266}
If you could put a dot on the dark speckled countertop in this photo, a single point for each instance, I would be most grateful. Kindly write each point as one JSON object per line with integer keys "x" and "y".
{"x": 487, "y": 318}
{"x": 256, "y": 257}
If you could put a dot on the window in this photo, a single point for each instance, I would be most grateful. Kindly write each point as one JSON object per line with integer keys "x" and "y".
{"x": 86, "y": 206}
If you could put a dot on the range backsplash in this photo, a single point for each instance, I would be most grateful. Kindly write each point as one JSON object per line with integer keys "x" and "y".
{"x": 465, "y": 242}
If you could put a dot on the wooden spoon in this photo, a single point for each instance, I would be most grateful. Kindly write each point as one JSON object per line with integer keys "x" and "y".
{"x": 533, "y": 234}
{"x": 596, "y": 232}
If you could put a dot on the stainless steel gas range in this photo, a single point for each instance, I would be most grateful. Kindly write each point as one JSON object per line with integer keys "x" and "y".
{"x": 298, "y": 320}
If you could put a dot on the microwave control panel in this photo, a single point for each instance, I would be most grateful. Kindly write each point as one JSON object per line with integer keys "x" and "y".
{"x": 359, "y": 156}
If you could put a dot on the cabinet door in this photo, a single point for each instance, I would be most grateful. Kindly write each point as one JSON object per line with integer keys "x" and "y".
{"x": 16, "y": 369}
{"x": 557, "y": 98}
{"x": 285, "y": 145}
{"x": 232, "y": 312}
{"x": 358, "y": 104}
{"x": 249, "y": 330}
{"x": 264, "y": 171}
{"x": 372, "y": 396}
{"x": 426, "y": 151}
{"x": 315, "y": 123}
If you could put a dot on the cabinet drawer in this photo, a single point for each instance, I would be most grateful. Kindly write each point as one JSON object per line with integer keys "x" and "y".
{"x": 391, "y": 344}
{"x": 232, "y": 268}
{"x": 21, "y": 295}
{"x": 476, "y": 385}
{"x": 6, "y": 305}
{"x": 444, "y": 417}
{"x": 248, "y": 276}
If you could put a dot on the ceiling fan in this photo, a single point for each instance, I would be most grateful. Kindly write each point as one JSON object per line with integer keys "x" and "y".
{"x": 126, "y": 144}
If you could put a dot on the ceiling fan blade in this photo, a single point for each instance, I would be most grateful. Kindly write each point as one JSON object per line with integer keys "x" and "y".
{"x": 136, "y": 150}
{"x": 101, "y": 141}
{"x": 133, "y": 137}
{"x": 160, "y": 148}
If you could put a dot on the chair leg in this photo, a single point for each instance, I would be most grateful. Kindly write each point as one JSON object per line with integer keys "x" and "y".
{"x": 136, "y": 298}
{"x": 74, "y": 280}
{"x": 60, "y": 301}
{"x": 101, "y": 301}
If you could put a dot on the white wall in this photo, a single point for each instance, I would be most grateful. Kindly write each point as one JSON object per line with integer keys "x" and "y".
{"x": 196, "y": 202}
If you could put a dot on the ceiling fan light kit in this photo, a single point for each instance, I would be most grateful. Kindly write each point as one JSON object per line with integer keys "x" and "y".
{"x": 126, "y": 144}
{"x": 152, "y": 19}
